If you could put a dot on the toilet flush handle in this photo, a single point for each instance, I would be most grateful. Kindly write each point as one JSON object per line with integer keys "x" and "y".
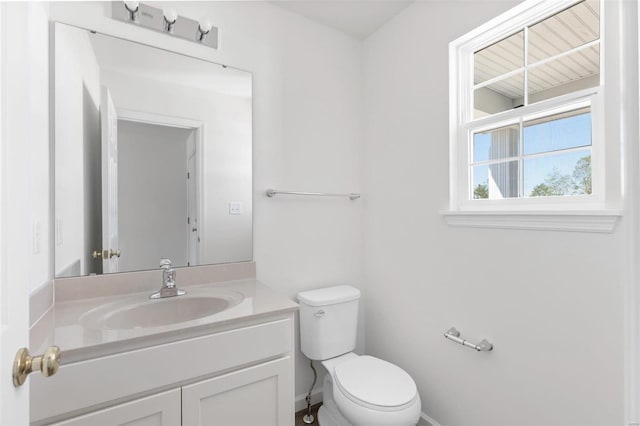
{"x": 319, "y": 314}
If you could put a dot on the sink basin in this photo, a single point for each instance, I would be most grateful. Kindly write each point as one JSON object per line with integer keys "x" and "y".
{"x": 164, "y": 312}
{"x": 151, "y": 313}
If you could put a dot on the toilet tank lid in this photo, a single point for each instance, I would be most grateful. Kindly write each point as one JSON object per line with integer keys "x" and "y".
{"x": 329, "y": 295}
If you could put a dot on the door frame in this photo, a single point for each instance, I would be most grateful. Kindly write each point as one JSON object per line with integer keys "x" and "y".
{"x": 182, "y": 123}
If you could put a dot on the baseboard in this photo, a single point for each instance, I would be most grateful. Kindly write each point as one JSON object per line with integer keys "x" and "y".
{"x": 316, "y": 397}
{"x": 427, "y": 421}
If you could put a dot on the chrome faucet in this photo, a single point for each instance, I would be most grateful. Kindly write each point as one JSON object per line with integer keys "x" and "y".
{"x": 168, "y": 288}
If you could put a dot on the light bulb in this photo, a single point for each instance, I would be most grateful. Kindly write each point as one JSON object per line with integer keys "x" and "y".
{"x": 205, "y": 26}
{"x": 170, "y": 15}
{"x": 132, "y": 6}
{"x": 132, "y": 10}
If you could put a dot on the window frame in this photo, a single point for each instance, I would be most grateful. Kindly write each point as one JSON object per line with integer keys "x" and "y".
{"x": 606, "y": 197}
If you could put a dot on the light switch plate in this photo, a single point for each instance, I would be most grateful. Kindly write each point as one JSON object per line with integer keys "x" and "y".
{"x": 235, "y": 208}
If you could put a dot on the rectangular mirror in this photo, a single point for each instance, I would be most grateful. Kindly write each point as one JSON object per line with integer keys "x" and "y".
{"x": 152, "y": 157}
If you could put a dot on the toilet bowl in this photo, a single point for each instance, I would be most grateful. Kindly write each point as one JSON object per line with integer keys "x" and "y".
{"x": 367, "y": 391}
{"x": 357, "y": 390}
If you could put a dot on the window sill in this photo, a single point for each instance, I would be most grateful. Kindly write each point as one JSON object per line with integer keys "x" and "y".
{"x": 600, "y": 221}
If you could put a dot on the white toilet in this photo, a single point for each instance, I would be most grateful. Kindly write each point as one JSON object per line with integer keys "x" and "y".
{"x": 358, "y": 390}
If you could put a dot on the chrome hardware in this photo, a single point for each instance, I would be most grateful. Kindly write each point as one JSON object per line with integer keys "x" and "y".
{"x": 273, "y": 192}
{"x": 454, "y": 335}
{"x": 309, "y": 418}
{"x": 106, "y": 254}
{"x": 168, "y": 288}
{"x": 25, "y": 364}
{"x": 319, "y": 314}
{"x": 194, "y": 229}
{"x": 133, "y": 7}
{"x": 166, "y": 21}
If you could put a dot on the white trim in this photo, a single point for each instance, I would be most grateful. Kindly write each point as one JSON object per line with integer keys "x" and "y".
{"x": 603, "y": 221}
{"x": 632, "y": 283}
{"x": 160, "y": 119}
{"x": 3, "y": 168}
{"x": 558, "y": 212}
{"x": 425, "y": 420}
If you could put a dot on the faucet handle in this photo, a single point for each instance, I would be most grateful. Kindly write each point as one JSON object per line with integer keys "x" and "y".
{"x": 165, "y": 263}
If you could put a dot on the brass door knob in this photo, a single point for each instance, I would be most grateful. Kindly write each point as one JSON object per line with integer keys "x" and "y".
{"x": 114, "y": 253}
{"x": 24, "y": 364}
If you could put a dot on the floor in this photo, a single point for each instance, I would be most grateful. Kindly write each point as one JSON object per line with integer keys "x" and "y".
{"x": 314, "y": 411}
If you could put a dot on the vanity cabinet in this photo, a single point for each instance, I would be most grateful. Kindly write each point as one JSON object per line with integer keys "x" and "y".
{"x": 162, "y": 409}
{"x": 238, "y": 376}
{"x": 245, "y": 398}
{"x": 238, "y": 398}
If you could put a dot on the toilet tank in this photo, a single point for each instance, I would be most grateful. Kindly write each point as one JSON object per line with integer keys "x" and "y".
{"x": 328, "y": 321}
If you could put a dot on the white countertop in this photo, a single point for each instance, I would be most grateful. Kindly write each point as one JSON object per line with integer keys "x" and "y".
{"x": 65, "y": 324}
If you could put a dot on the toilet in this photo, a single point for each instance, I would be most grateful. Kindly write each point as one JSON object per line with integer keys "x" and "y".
{"x": 357, "y": 390}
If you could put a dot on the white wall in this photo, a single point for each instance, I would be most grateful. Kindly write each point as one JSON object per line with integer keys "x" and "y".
{"x": 77, "y": 153}
{"x": 152, "y": 212}
{"x": 551, "y": 302}
{"x": 306, "y": 134}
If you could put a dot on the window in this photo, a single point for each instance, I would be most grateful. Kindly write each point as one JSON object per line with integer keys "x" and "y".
{"x": 527, "y": 111}
{"x": 548, "y": 156}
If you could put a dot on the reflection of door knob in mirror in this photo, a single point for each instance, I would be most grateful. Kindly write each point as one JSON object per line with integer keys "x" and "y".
{"x": 24, "y": 364}
{"x": 96, "y": 254}
{"x": 194, "y": 230}
{"x": 106, "y": 254}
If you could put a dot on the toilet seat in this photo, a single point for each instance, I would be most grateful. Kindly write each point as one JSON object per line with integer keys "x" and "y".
{"x": 375, "y": 384}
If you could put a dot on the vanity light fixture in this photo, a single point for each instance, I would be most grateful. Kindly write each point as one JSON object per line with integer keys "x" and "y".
{"x": 170, "y": 17}
{"x": 204, "y": 26}
{"x": 133, "y": 7}
{"x": 167, "y": 21}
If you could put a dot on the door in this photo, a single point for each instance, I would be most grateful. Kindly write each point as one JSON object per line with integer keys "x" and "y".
{"x": 192, "y": 221}
{"x": 23, "y": 223}
{"x": 109, "y": 126}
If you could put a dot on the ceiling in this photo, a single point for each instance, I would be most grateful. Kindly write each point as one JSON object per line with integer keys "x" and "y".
{"x": 357, "y": 18}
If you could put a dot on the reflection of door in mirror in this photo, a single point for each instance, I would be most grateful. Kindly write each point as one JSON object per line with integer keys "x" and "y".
{"x": 192, "y": 201}
{"x": 109, "y": 126}
{"x": 154, "y": 207}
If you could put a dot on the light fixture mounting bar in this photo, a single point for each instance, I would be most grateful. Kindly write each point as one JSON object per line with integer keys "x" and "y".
{"x": 153, "y": 18}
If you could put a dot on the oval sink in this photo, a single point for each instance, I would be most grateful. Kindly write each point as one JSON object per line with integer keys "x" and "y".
{"x": 164, "y": 312}
{"x": 151, "y": 313}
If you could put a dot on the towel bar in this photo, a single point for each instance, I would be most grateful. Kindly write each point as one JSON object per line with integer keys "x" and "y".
{"x": 454, "y": 335}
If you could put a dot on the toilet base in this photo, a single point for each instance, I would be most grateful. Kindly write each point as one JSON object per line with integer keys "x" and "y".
{"x": 329, "y": 415}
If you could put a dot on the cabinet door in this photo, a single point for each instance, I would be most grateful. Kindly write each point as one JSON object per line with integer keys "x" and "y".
{"x": 162, "y": 409}
{"x": 259, "y": 395}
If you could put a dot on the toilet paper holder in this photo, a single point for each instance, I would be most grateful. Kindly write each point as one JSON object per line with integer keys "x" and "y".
{"x": 454, "y": 335}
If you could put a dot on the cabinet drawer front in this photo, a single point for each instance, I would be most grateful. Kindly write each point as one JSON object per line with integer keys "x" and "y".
{"x": 162, "y": 409}
{"x": 96, "y": 382}
{"x": 261, "y": 394}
